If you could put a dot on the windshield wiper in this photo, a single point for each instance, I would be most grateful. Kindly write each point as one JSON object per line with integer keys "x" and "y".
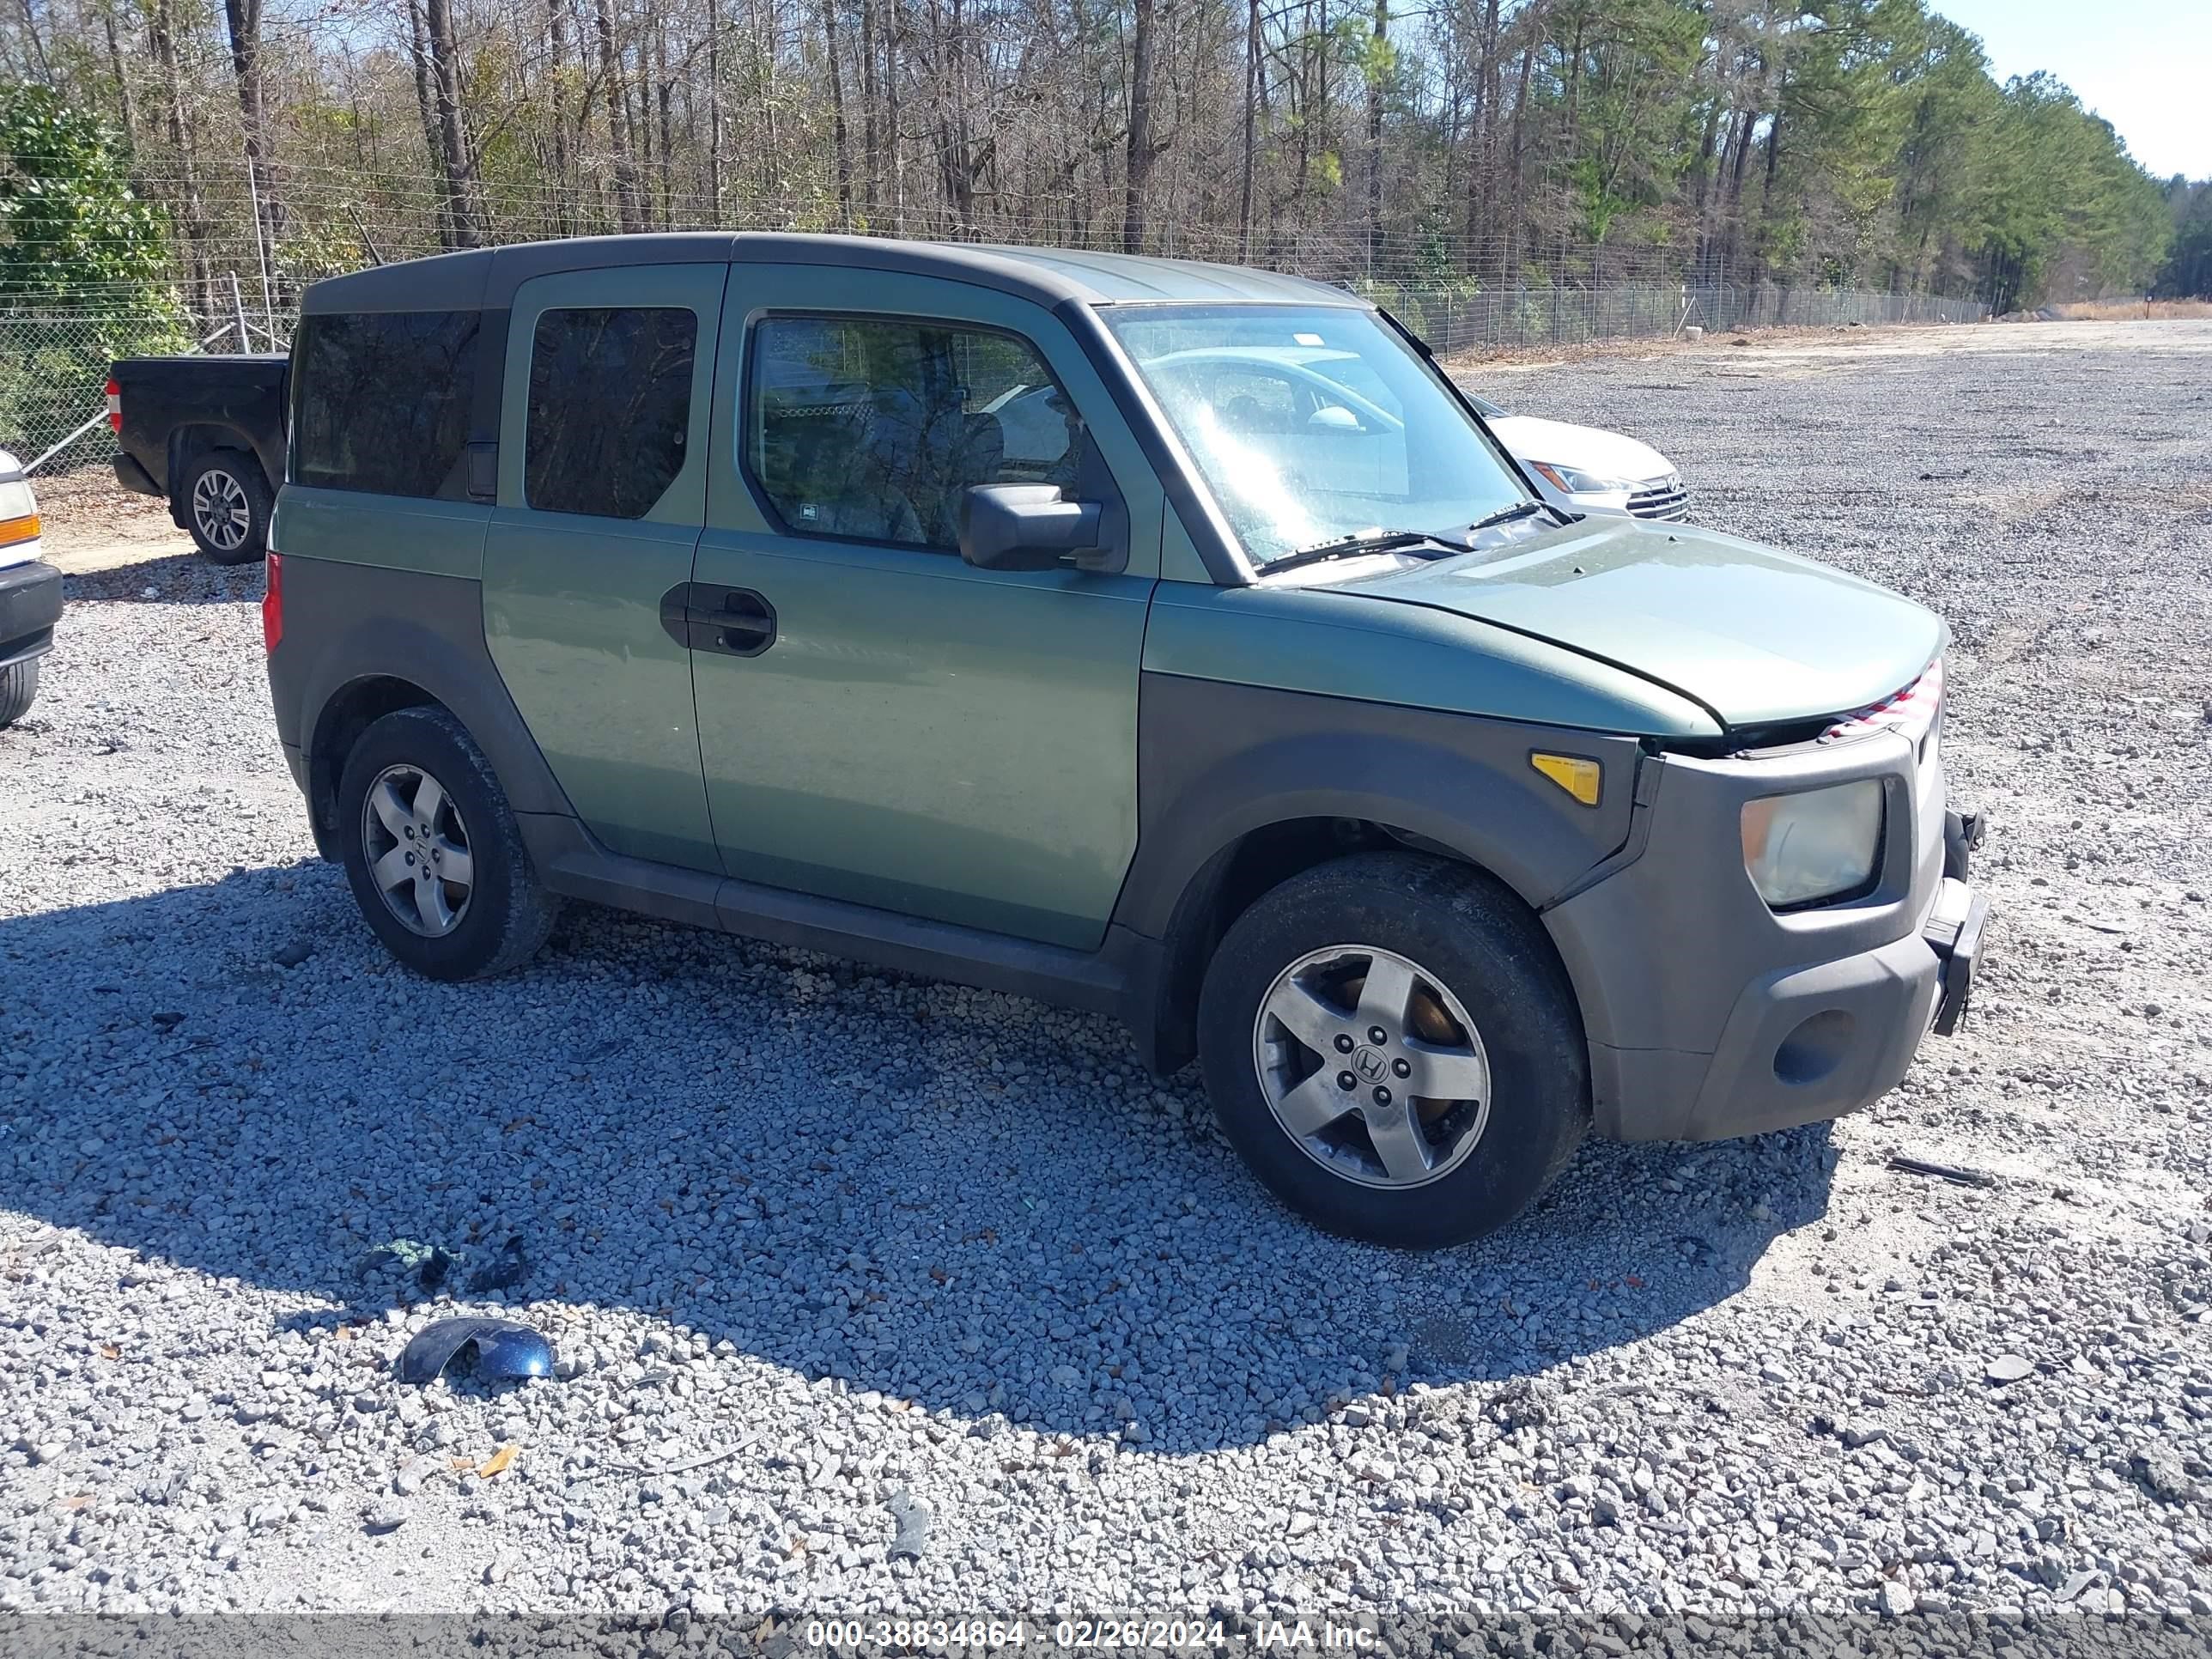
{"x": 1366, "y": 541}
{"x": 1507, "y": 515}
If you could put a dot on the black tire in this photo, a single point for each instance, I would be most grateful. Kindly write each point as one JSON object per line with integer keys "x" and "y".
{"x": 505, "y": 916}
{"x": 233, "y": 478}
{"x": 1481, "y": 944}
{"x": 19, "y": 689}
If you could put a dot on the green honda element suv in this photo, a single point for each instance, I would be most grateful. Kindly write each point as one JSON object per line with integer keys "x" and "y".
{"x": 1160, "y": 639}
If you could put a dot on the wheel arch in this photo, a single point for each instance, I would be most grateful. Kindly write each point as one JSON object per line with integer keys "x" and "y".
{"x": 1242, "y": 787}
{"x": 189, "y": 439}
{"x": 1238, "y": 875}
{"x": 352, "y": 709}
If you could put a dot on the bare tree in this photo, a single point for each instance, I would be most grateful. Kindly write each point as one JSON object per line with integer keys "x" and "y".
{"x": 456, "y": 161}
{"x": 628, "y": 201}
{"x": 1138, "y": 162}
{"x": 244, "y": 19}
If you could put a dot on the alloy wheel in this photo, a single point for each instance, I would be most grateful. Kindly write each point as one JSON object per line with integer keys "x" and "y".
{"x": 417, "y": 850}
{"x": 221, "y": 510}
{"x": 1372, "y": 1067}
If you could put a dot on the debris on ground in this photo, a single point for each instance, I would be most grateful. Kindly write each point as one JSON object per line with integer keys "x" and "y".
{"x": 912, "y": 1517}
{"x": 427, "y": 1264}
{"x": 1956, "y": 1173}
{"x": 505, "y": 1350}
{"x": 504, "y": 1272}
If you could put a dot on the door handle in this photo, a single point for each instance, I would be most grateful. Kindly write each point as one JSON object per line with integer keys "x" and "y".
{"x": 736, "y": 621}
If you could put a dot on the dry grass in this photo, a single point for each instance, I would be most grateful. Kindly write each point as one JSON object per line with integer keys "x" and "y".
{"x": 2127, "y": 311}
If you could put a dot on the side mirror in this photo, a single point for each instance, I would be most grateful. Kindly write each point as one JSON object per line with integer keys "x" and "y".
{"x": 1333, "y": 417}
{"x": 1029, "y": 527}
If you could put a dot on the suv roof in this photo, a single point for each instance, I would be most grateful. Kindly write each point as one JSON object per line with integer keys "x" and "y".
{"x": 486, "y": 278}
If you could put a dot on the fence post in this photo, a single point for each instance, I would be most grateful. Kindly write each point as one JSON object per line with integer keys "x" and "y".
{"x": 238, "y": 311}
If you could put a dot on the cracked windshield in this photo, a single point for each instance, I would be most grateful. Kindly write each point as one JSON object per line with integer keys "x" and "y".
{"x": 1313, "y": 424}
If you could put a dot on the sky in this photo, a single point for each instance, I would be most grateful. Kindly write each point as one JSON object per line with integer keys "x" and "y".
{"x": 2144, "y": 65}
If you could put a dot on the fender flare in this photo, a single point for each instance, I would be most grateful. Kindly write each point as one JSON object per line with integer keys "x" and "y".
{"x": 1504, "y": 817}
{"x": 423, "y": 630}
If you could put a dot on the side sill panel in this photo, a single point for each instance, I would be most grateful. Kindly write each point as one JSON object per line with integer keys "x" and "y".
{"x": 572, "y": 863}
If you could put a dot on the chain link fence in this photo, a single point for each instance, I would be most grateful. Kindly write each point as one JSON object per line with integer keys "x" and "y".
{"x": 53, "y": 366}
{"x": 1527, "y": 318}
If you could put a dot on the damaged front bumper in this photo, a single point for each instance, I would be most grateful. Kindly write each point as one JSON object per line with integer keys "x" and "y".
{"x": 1953, "y": 927}
{"x": 1708, "y": 1014}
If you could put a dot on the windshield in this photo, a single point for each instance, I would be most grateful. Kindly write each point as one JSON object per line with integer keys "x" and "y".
{"x": 1313, "y": 424}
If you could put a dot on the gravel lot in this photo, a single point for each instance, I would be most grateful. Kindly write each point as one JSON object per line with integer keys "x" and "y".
{"x": 823, "y": 1249}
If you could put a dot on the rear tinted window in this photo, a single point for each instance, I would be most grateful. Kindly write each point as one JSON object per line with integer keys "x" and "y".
{"x": 610, "y": 409}
{"x": 381, "y": 402}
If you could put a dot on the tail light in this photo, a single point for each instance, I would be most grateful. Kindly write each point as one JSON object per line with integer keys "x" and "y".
{"x": 114, "y": 406}
{"x": 272, "y": 604}
{"x": 1913, "y": 712}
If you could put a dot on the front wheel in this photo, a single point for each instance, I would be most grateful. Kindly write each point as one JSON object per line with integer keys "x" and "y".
{"x": 1391, "y": 1044}
{"x": 226, "y": 502}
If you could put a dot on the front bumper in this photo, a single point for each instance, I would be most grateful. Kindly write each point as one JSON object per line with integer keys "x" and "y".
{"x": 30, "y": 606}
{"x": 1710, "y": 1015}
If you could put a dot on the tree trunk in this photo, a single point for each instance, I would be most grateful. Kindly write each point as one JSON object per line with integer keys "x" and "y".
{"x": 871, "y": 140}
{"x": 1139, "y": 164}
{"x": 38, "y": 44}
{"x": 894, "y": 135}
{"x": 128, "y": 104}
{"x": 161, "y": 32}
{"x": 1252, "y": 72}
{"x": 841, "y": 158}
{"x": 243, "y": 18}
{"x": 714, "y": 111}
{"x": 456, "y": 159}
{"x": 1375, "y": 86}
{"x": 665, "y": 93}
{"x": 556, "y": 101}
{"x": 426, "y": 107}
{"x": 1482, "y": 167}
{"x": 629, "y": 208}
{"x": 1514, "y": 139}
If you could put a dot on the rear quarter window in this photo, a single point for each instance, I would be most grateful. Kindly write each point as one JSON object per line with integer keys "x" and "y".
{"x": 610, "y": 408}
{"x": 381, "y": 401}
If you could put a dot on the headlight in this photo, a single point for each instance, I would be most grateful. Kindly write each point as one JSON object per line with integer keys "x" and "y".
{"x": 1574, "y": 481}
{"x": 1813, "y": 845}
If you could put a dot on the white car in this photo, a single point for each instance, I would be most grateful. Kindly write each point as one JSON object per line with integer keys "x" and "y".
{"x": 1586, "y": 469}
{"x": 30, "y": 594}
{"x": 1295, "y": 388}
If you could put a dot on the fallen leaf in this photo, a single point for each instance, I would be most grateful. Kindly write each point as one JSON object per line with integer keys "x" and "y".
{"x": 460, "y": 1464}
{"x": 109, "y": 1350}
{"x": 1633, "y": 1282}
{"x": 498, "y": 1461}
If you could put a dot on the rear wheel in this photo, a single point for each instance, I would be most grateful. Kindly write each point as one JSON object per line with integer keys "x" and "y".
{"x": 432, "y": 851}
{"x": 226, "y": 502}
{"x": 1391, "y": 1044}
{"x": 19, "y": 689}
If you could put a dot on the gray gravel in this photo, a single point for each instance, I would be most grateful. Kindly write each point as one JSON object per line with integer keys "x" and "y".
{"x": 873, "y": 1293}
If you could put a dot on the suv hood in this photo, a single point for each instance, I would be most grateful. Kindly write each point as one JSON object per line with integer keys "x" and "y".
{"x": 1758, "y": 637}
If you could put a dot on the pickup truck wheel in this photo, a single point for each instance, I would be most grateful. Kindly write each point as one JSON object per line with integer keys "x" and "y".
{"x": 432, "y": 851}
{"x": 19, "y": 689}
{"x": 226, "y": 504}
{"x": 1390, "y": 1041}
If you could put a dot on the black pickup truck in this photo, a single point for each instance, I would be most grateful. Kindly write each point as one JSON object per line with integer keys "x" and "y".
{"x": 206, "y": 432}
